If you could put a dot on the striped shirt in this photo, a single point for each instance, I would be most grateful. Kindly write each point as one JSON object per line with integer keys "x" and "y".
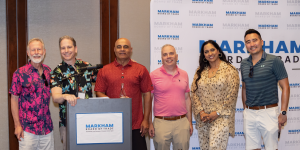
{"x": 262, "y": 88}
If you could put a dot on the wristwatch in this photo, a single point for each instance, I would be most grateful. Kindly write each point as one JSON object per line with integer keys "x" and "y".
{"x": 218, "y": 113}
{"x": 283, "y": 112}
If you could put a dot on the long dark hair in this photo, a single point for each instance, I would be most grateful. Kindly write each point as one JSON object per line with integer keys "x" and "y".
{"x": 204, "y": 64}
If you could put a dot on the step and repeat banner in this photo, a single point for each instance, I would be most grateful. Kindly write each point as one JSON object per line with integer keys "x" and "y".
{"x": 186, "y": 24}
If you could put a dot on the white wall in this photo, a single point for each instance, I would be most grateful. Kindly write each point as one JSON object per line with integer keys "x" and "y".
{"x": 134, "y": 17}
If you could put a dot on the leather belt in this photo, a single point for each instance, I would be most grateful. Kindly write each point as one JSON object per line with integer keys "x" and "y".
{"x": 262, "y": 107}
{"x": 170, "y": 118}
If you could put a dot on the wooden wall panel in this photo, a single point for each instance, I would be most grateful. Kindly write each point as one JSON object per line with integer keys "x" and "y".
{"x": 109, "y": 23}
{"x": 16, "y": 19}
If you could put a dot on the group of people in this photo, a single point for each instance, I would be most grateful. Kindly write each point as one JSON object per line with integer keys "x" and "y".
{"x": 213, "y": 97}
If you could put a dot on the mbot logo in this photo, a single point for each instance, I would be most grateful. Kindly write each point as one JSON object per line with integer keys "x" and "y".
{"x": 295, "y": 14}
{"x": 267, "y": 2}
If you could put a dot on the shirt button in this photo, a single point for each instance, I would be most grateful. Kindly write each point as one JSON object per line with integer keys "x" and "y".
{"x": 122, "y": 73}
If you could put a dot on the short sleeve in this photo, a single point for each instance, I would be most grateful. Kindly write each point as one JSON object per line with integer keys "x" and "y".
{"x": 152, "y": 80}
{"x": 241, "y": 66}
{"x": 16, "y": 86}
{"x": 187, "y": 86}
{"x": 56, "y": 78}
{"x": 146, "y": 83}
{"x": 101, "y": 85}
{"x": 279, "y": 69}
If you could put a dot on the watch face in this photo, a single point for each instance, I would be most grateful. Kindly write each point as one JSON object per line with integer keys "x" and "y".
{"x": 283, "y": 112}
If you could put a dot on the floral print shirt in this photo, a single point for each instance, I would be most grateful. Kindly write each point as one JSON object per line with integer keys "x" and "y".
{"x": 218, "y": 93}
{"x": 63, "y": 76}
{"x": 34, "y": 99}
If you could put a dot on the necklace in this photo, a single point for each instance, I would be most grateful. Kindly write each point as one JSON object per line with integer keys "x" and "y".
{"x": 213, "y": 71}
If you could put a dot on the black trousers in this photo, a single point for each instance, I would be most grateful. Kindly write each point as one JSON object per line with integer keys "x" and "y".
{"x": 138, "y": 142}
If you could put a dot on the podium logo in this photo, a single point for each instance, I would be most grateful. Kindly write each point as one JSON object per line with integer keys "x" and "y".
{"x": 267, "y": 26}
{"x": 267, "y": 2}
{"x": 203, "y": 13}
{"x": 295, "y": 14}
{"x": 294, "y": 108}
{"x": 167, "y": 24}
{"x": 268, "y": 14}
{"x": 168, "y": 37}
{"x": 235, "y": 2}
{"x": 294, "y": 85}
{"x": 235, "y": 26}
{"x": 168, "y": 12}
{"x": 293, "y": 26}
{"x": 99, "y": 127}
{"x": 297, "y": 131}
{"x": 235, "y": 13}
{"x": 203, "y": 1}
{"x": 202, "y": 25}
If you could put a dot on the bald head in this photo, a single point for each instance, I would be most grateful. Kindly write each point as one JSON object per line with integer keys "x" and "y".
{"x": 123, "y": 49}
{"x": 122, "y": 41}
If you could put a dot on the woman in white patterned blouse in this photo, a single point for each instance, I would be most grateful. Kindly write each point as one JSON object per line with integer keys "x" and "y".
{"x": 214, "y": 95}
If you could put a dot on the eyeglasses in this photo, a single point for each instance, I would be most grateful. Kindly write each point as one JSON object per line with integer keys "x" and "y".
{"x": 45, "y": 80}
{"x": 251, "y": 72}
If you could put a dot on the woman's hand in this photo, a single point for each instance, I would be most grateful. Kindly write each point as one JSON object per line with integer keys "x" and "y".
{"x": 203, "y": 116}
{"x": 212, "y": 116}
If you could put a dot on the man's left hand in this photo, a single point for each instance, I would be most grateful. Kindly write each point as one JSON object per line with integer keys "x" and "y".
{"x": 281, "y": 121}
{"x": 144, "y": 127}
{"x": 191, "y": 129}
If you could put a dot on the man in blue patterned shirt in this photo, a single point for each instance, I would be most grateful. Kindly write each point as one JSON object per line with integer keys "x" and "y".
{"x": 63, "y": 84}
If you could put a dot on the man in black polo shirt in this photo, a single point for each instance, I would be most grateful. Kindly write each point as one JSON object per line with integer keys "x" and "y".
{"x": 261, "y": 73}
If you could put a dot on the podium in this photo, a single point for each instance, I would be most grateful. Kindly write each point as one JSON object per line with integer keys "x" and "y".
{"x": 106, "y": 133}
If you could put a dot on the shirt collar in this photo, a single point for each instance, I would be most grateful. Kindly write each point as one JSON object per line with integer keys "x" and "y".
{"x": 263, "y": 57}
{"x": 76, "y": 62}
{"x": 32, "y": 68}
{"x": 118, "y": 64}
{"x": 162, "y": 69}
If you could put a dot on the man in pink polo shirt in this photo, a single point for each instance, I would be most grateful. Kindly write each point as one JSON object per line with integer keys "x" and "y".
{"x": 172, "y": 104}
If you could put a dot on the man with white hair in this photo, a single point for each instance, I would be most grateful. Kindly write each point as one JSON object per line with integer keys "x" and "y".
{"x": 30, "y": 97}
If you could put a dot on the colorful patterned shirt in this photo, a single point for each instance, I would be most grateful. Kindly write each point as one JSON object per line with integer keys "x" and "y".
{"x": 34, "y": 99}
{"x": 69, "y": 86}
{"x": 136, "y": 81}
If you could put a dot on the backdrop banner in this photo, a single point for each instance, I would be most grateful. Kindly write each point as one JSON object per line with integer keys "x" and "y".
{"x": 186, "y": 24}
